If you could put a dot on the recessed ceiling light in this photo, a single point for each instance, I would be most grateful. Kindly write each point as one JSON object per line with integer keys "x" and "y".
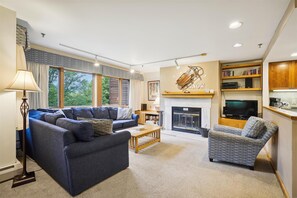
{"x": 294, "y": 54}
{"x": 237, "y": 45}
{"x": 235, "y": 25}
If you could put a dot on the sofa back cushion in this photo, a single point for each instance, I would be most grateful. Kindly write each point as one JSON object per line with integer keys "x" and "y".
{"x": 53, "y": 117}
{"x": 124, "y": 114}
{"x": 253, "y": 127}
{"x": 68, "y": 113}
{"x": 101, "y": 112}
{"x": 82, "y": 130}
{"x": 39, "y": 115}
{"x": 83, "y": 112}
{"x": 113, "y": 113}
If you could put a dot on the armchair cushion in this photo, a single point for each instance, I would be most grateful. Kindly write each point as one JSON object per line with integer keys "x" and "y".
{"x": 254, "y": 127}
{"x": 227, "y": 129}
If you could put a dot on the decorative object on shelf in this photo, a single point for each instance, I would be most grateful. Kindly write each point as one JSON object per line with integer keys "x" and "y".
{"x": 24, "y": 81}
{"x": 153, "y": 88}
{"x": 157, "y": 103}
{"x": 188, "y": 78}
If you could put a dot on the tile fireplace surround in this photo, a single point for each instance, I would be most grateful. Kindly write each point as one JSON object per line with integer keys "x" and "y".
{"x": 203, "y": 103}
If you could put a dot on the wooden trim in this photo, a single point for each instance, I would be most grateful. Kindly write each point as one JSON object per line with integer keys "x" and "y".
{"x": 241, "y": 65}
{"x": 187, "y": 95}
{"x": 242, "y": 89}
{"x": 290, "y": 115}
{"x": 120, "y": 92}
{"x": 279, "y": 179}
{"x": 243, "y": 76}
{"x": 99, "y": 89}
{"x": 61, "y": 87}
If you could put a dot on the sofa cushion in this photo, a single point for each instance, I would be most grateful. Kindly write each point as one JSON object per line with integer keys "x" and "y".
{"x": 100, "y": 126}
{"x": 253, "y": 127}
{"x": 124, "y": 113}
{"x": 82, "y": 130}
{"x": 117, "y": 124}
{"x": 68, "y": 113}
{"x": 113, "y": 113}
{"x": 125, "y": 123}
{"x": 53, "y": 117}
{"x": 101, "y": 112}
{"x": 84, "y": 112}
{"x": 39, "y": 115}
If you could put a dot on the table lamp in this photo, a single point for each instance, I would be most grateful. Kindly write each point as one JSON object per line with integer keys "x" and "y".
{"x": 24, "y": 81}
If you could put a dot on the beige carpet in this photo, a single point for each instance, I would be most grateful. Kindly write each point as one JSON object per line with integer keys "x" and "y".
{"x": 176, "y": 167}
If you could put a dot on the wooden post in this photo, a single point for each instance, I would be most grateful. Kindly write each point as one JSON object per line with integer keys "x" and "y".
{"x": 99, "y": 90}
{"x": 61, "y": 87}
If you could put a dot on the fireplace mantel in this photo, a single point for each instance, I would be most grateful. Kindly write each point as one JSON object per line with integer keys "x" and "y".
{"x": 194, "y": 94}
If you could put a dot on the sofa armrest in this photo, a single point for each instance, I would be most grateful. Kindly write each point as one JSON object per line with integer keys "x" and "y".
{"x": 100, "y": 143}
{"x": 227, "y": 129}
{"x": 135, "y": 117}
{"x": 232, "y": 138}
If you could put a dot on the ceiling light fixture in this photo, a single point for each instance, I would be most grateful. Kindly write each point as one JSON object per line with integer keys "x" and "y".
{"x": 96, "y": 63}
{"x": 177, "y": 66}
{"x": 235, "y": 25}
{"x": 294, "y": 54}
{"x": 237, "y": 45}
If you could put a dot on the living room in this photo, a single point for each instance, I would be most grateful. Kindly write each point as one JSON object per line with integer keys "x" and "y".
{"x": 148, "y": 98}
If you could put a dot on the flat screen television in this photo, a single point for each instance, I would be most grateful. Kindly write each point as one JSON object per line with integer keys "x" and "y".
{"x": 241, "y": 109}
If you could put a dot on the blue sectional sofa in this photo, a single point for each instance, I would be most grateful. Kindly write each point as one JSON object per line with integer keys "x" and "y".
{"x": 70, "y": 152}
{"x": 99, "y": 113}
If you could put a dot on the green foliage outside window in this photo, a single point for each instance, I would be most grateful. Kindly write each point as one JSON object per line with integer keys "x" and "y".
{"x": 53, "y": 87}
{"x": 105, "y": 90}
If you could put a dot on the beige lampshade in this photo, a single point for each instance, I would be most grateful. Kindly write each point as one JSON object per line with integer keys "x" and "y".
{"x": 23, "y": 80}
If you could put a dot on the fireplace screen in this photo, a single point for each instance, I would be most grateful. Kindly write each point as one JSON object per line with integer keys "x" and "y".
{"x": 186, "y": 119}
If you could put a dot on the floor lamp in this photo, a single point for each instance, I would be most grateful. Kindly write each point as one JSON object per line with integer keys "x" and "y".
{"x": 24, "y": 81}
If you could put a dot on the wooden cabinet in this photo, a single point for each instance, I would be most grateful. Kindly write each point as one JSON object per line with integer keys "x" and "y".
{"x": 283, "y": 75}
{"x": 232, "y": 122}
{"x": 147, "y": 115}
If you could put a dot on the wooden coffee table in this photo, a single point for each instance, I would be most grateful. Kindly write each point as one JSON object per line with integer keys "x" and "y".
{"x": 143, "y": 137}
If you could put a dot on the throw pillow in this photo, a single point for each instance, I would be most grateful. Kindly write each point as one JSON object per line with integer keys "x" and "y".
{"x": 100, "y": 126}
{"x": 39, "y": 115}
{"x": 53, "y": 117}
{"x": 253, "y": 127}
{"x": 82, "y": 130}
{"x": 124, "y": 114}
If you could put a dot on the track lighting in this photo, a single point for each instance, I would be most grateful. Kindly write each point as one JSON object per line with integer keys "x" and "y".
{"x": 131, "y": 70}
{"x": 177, "y": 66}
{"x": 96, "y": 63}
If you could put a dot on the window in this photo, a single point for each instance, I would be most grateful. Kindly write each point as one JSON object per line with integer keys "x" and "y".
{"x": 53, "y": 87}
{"x": 78, "y": 89}
{"x": 110, "y": 91}
{"x": 125, "y": 92}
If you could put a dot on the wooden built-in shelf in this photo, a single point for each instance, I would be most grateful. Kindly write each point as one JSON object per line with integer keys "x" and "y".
{"x": 243, "y": 76}
{"x": 242, "y": 89}
{"x": 193, "y": 94}
{"x": 241, "y": 66}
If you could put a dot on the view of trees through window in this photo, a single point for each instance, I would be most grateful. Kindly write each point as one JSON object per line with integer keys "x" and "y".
{"x": 53, "y": 87}
{"x": 78, "y": 89}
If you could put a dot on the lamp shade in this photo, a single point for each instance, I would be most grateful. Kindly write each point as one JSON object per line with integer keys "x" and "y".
{"x": 157, "y": 101}
{"x": 23, "y": 80}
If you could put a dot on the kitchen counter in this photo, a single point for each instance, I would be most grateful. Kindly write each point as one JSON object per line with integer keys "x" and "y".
{"x": 287, "y": 113}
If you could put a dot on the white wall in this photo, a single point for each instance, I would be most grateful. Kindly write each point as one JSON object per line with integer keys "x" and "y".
{"x": 149, "y": 77}
{"x": 7, "y": 99}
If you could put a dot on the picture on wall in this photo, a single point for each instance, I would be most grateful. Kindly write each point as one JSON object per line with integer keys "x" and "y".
{"x": 153, "y": 88}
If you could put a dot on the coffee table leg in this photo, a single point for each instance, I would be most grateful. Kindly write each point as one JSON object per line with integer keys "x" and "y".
{"x": 136, "y": 144}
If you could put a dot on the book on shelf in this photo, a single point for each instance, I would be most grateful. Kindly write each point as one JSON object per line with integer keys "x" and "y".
{"x": 227, "y": 73}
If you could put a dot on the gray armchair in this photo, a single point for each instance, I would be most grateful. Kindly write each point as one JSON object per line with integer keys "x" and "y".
{"x": 229, "y": 145}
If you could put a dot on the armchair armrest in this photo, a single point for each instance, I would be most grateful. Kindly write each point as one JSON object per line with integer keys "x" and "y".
{"x": 227, "y": 129}
{"x": 229, "y": 137}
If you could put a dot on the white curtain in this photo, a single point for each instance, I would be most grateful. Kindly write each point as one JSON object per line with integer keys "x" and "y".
{"x": 135, "y": 95}
{"x": 40, "y": 73}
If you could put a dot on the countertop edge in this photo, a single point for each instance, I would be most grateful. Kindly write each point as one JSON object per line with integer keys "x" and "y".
{"x": 281, "y": 112}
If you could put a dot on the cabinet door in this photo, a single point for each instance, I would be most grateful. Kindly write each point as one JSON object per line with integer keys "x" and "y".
{"x": 293, "y": 75}
{"x": 279, "y": 75}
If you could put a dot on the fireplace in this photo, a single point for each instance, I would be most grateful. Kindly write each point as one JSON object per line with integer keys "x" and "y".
{"x": 186, "y": 119}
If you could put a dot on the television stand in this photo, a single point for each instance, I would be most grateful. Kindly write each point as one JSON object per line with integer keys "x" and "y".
{"x": 232, "y": 122}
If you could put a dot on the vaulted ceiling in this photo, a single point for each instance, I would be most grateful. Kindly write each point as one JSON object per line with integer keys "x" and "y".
{"x": 137, "y": 31}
